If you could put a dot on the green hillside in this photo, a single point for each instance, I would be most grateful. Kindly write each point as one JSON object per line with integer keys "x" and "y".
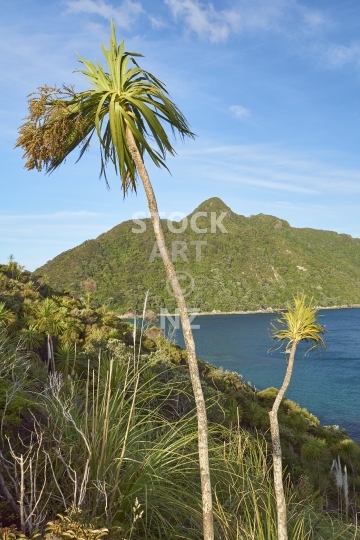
{"x": 260, "y": 262}
{"x": 111, "y": 422}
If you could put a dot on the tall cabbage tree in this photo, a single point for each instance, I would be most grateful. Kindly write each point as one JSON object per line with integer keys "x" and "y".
{"x": 125, "y": 108}
{"x": 297, "y": 324}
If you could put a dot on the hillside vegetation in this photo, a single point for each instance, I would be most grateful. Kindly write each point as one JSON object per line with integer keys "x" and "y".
{"x": 106, "y": 436}
{"x": 260, "y": 262}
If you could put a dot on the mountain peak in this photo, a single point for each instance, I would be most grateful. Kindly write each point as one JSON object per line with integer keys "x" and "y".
{"x": 260, "y": 262}
{"x": 214, "y": 204}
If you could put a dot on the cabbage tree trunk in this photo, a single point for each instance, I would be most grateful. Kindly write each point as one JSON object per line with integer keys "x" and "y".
{"x": 276, "y": 448}
{"x": 50, "y": 351}
{"x": 208, "y": 526}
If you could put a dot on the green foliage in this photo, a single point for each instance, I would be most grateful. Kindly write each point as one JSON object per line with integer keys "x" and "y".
{"x": 13, "y": 401}
{"x": 268, "y": 395}
{"x": 121, "y": 97}
{"x": 125, "y": 422}
{"x": 65, "y": 359}
{"x": 348, "y": 450}
{"x": 299, "y": 323}
{"x": 259, "y": 266}
{"x": 313, "y": 448}
{"x": 47, "y": 317}
{"x": 6, "y": 317}
{"x": 30, "y": 338}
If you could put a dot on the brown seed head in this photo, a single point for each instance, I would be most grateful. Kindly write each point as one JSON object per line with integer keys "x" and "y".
{"x": 50, "y": 127}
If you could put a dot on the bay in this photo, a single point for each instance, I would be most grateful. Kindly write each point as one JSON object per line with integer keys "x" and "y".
{"x": 326, "y": 382}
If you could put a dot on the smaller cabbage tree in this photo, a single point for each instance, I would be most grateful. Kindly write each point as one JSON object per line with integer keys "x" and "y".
{"x": 297, "y": 324}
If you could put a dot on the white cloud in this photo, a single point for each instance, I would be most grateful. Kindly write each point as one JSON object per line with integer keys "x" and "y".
{"x": 304, "y": 28}
{"x": 280, "y": 16}
{"x": 313, "y": 19}
{"x": 157, "y": 22}
{"x": 271, "y": 168}
{"x": 340, "y": 55}
{"x": 205, "y": 20}
{"x": 240, "y": 111}
{"x": 123, "y": 15}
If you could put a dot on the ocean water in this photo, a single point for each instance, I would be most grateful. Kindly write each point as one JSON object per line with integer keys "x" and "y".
{"x": 326, "y": 382}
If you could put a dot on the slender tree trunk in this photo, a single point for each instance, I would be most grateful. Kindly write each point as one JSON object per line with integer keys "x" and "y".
{"x": 49, "y": 366}
{"x": 51, "y": 358}
{"x": 188, "y": 338}
{"x": 22, "y": 493}
{"x": 52, "y": 355}
{"x": 277, "y": 457}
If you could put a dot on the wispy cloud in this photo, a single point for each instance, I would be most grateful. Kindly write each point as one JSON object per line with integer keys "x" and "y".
{"x": 288, "y": 18}
{"x": 337, "y": 55}
{"x": 124, "y": 15}
{"x": 283, "y": 16}
{"x": 157, "y": 22}
{"x": 279, "y": 16}
{"x": 305, "y": 29}
{"x": 204, "y": 19}
{"x": 239, "y": 111}
{"x": 271, "y": 168}
{"x": 313, "y": 18}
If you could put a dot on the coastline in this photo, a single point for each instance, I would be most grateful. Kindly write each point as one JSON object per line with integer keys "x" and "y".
{"x": 339, "y": 420}
{"x": 268, "y": 310}
{"x": 250, "y": 312}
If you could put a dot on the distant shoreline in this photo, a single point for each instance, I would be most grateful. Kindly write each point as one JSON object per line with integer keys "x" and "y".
{"x": 268, "y": 310}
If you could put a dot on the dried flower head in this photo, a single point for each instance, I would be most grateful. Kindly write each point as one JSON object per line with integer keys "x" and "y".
{"x": 53, "y": 123}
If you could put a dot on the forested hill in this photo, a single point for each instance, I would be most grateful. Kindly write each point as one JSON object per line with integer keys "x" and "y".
{"x": 261, "y": 261}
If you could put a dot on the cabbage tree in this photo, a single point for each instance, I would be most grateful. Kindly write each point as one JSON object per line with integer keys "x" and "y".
{"x": 297, "y": 324}
{"x": 47, "y": 320}
{"x": 125, "y": 108}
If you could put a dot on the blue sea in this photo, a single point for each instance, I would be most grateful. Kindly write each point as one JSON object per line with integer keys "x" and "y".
{"x": 326, "y": 382}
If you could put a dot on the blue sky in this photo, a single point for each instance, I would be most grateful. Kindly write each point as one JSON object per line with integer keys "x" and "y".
{"x": 271, "y": 89}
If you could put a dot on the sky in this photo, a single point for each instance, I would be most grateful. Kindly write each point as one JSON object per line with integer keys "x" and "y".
{"x": 270, "y": 88}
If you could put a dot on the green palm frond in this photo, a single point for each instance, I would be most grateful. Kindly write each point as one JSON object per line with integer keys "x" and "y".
{"x": 299, "y": 323}
{"x": 122, "y": 94}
